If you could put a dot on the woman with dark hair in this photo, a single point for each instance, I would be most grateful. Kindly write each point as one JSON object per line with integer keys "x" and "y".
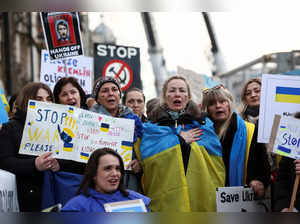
{"x": 102, "y": 183}
{"x": 107, "y": 93}
{"x": 68, "y": 91}
{"x": 28, "y": 169}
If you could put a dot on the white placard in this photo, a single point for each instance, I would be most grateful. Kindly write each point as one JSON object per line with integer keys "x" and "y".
{"x": 80, "y": 67}
{"x": 72, "y": 133}
{"x": 126, "y": 206}
{"x": 238, "y": 199}
{"x": 8, "y": 192}
{"x": 287, "y": 140}
{"x": 272, "y": 101}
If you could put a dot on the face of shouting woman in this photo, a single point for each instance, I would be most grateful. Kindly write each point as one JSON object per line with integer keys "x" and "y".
{"x": 176, "y": 96}
{"x": 109, "y": 97}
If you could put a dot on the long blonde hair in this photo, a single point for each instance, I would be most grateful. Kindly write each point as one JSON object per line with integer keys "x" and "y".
{"x": 210, "y": 96}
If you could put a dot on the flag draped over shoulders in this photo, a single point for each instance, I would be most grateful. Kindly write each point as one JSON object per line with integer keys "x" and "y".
{"x": 166, "y": 182}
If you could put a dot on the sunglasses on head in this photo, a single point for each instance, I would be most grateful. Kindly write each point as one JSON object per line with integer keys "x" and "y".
{"x": 206, "y": 91}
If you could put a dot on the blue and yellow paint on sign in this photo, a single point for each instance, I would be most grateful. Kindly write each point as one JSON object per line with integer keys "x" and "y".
{"x": 126, "y": 145}
{"x": 71, "y": 110}
{"x": 31, "y": 105}
{"x": 104, "y": 127}
{"x": 84, "y": 156}
{"x": 287, "y": 95}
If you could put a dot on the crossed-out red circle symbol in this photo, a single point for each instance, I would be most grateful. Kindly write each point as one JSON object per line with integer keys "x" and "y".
{"x": 119, "y": 70}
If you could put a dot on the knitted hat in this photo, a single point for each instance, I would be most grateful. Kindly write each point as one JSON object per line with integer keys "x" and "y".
{"x": 101, "y": 81}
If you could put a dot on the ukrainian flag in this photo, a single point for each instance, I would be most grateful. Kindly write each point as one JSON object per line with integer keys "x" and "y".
{"x": 84, "y": 156}
{"x": 282, "y": 128}
{"x": 31, "y": 105}
{"x": 104, "y": 127}
{"x": 287, "y": 95}
{"x": 126, "y": 145}
{"x": 68, "y": 147}
{"x": 4, "y": 101}
{"x": 71, "y": 110}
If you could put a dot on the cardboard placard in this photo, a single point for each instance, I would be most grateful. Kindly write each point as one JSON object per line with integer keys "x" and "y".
{"x": 72, "y": 133}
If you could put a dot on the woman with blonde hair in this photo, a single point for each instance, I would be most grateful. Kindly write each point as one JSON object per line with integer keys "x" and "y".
{"x": 245, "y": 159}
{"x": 181, "y": 154}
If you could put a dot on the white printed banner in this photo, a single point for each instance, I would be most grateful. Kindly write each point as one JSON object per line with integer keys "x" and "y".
{"x": 80, "y": 67}
{"x": 72, "y": 133}
{"x": 239, "y": 199}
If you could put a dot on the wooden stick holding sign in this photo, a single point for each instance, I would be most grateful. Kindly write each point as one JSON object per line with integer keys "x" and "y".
{"x": 296, "y": 184}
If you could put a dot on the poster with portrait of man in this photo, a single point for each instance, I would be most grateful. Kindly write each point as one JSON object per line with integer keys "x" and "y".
{"x": 62, "y": 34}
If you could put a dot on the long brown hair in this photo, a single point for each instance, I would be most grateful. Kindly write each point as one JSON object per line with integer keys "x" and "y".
{"x": 243, "y": 106}
{"x": 91, "y": 171}
{"x": 29, "y": 92}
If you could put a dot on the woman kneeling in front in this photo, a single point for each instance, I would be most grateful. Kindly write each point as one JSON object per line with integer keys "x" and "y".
{"x": 102, "y": 183}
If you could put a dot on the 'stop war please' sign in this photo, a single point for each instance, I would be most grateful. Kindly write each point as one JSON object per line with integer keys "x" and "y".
{"x": 120, "y": 62}
{"x": 72, "y": 133}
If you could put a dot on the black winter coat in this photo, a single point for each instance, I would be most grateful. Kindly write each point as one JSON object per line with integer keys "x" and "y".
{"x": 284, "y": 185}
{"x": 29, "y": 179}
{"x": 258, "y": 167}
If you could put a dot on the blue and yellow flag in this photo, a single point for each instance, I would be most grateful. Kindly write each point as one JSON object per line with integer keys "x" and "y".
{"x": 4, "y": 108}
{"x": 104, "y": 127}
{"x": 126, "y": 145}
{"x": 31, "y": 105}
{"x": 84, "y": 156}
{"x": 287, "y": 95}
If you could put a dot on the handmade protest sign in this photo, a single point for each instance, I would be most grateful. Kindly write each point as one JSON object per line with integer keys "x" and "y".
{"x": 72, "y": 133}
{"x": 62, "y": 34}
{"x": 280, "y": 94}
{"x": 80, "y": 67}
{"x": 285, "y": 137}
{"x": 239, "y": 199}
{"x": 120, "y": 62}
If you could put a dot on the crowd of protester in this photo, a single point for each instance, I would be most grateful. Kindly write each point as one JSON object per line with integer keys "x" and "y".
{"x": 182, "y": 151}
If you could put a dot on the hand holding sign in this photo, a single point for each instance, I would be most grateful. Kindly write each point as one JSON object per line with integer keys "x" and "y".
{"x": 44, "y": 161}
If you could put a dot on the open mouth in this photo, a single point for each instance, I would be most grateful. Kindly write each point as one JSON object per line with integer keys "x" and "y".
{"x": 111, "y": 101}
{"x": 72, "y": 103}
{"x": 177, "y": 102}
{"x": 113, "y": 181}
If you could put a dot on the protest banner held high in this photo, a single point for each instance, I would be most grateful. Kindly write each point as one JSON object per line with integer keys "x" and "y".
{"x": 120, "y": 62}
{"x": 62, "y": 34}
